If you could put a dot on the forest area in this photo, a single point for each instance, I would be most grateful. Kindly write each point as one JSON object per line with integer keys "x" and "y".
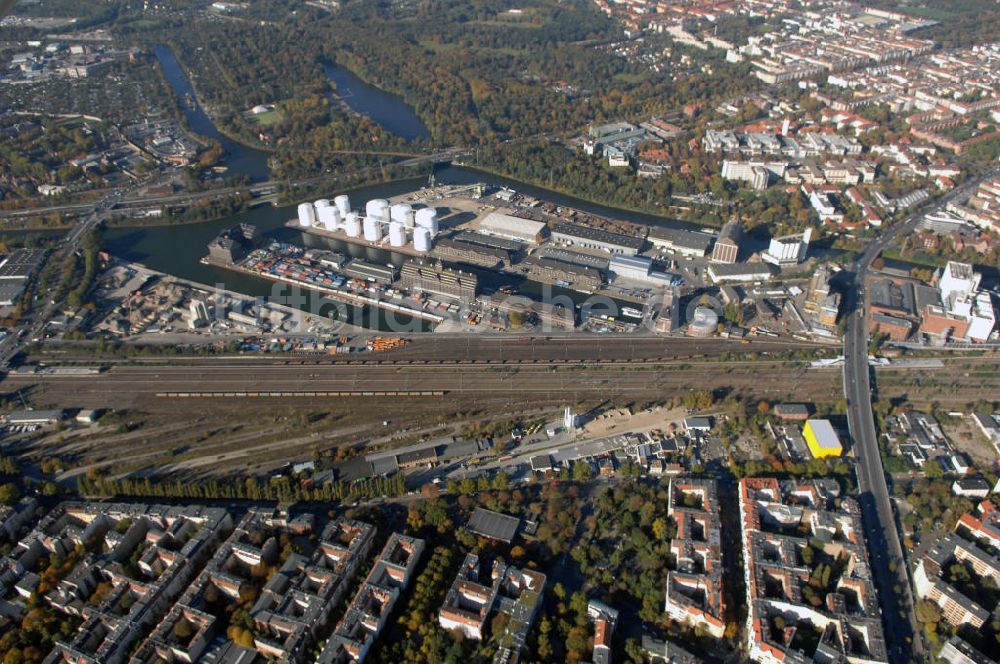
{"x": 473, "y": 72}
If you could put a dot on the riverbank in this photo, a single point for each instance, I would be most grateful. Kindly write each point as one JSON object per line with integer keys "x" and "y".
{"x": 335, "y": 293}
{"x": 212, "y": 116}
{"x": 592, "y": 201}
{"x": 240, "y": 159}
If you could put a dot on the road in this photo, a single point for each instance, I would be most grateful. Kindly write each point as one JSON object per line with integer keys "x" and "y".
{"x": 903, "y": 636}
{"x": 258, "y": 188}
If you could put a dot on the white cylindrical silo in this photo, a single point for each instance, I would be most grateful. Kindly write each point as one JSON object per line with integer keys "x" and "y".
{"x": 307, "y": 215}
{"x": 373, "y": 229}
{"x": 410, "y": 220}
{"x": 329, "y": 217}
{"x": 321, "y": 203}
{"x": 343, "y": 204}
{"x": 397, "y": 234}
{"x": 428, "y": 218}
{"x": 399, "y": 211}
{"x": 377, "y": 208}
{"x": 352, "y": 225}
{"x": 422, "y": 239}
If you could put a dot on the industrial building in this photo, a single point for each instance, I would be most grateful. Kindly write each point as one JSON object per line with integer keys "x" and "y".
{"x": 722, "y": 272}
{"x": 967, "y": 313}
{"x": 788, "y": 249}
{"x": 822, "y": 304}
{"x": 822, "y": 439}
{"x": 493, "y": 525}
{"x": 420, "y": 276}
{"x": 640, "y": 269}
{"x": 560, "y": 272}
{"x": 35, "y": 417}
{"x": 15, "y": 271}
{"x": 891, "y": 307}
{"x": 595, "y": 238}
{"x": 668, "y": 319}
{"x": 364, "y": 270}
{"x": 792, "y": 411}
{"x": 727, "y": 246}
{"x": 687, "y": 243}
{"x": 232, "y": 245}
{"x": 704, "y": 322}
{"x": 459, "y": 251}
{"x": 513, "y": 228}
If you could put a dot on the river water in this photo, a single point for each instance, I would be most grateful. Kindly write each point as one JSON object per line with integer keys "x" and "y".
{"x": 390, "y": 111}
{"x": 240, "y": 159}
{"x": 178, "y": 249}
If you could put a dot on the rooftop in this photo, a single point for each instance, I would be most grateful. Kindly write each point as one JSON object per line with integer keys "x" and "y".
{"x": 493, "y": 525}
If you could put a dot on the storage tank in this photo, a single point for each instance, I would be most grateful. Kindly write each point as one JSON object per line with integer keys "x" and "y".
{"x": 343, "y": 204}
{"x": 321, "y": 203}
{"x": 329, "y": 217}
{"x": 399, "y": 211}
{"x": 307, "y": 215}
{"x": 422, "y": 239}
{"x": 397, "y": 234}
{"x": 377, "y": 208}
{"x": 352, "y": 225}
{"x": 428, "y": 218}
{"x": 373, "y": 229}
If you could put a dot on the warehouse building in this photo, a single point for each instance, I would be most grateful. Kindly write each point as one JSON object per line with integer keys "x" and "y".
{"x": 561, "y": 273}
{"x": 576, "y": 258}
{"x": 19, "y": 417}
{"x": 513, "y": 228}
{"x": 595, "y": 238}
{"x": 822, "y": 440}
{"x": 510, "y": 246}
{"x": 682, "y": 241}
{"x": 15, "y": 271}
{"x": 437, "y": 279}
{"x": 640, "y": 269}
{"x": 727, "y": 247}
{"x": 459, "y": 251}
{"x": 361, "y": 269}
{"x": 743, "y": 272}
{"x": 792, "y": 411}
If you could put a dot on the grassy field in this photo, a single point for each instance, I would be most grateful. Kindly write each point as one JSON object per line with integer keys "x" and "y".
{"x": 265, "y": 119}
{"x": 926, "y": 12}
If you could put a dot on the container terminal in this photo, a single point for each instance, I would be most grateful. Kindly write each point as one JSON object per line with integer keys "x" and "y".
{"x": 501, "y": 231}
{"x": 354, "y": 281}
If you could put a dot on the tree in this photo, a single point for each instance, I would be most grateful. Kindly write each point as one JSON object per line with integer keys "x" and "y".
{"x": 9, "y": 493}
{"x": 183, "y": 630}
{"x": 660, "y": 528}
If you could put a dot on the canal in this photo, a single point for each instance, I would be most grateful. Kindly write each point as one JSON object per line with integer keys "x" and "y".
{"x": 240, "y": 159}
{"x": 178, "y": 249}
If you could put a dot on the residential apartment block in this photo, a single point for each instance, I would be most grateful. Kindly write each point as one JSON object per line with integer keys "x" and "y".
{"x": 809, "y": 589}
